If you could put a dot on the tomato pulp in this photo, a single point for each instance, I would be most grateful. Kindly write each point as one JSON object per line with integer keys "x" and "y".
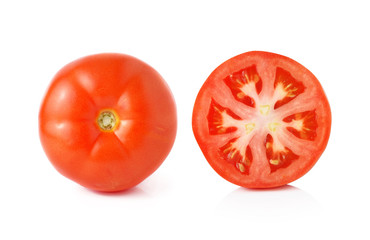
{"x": 107, "y": 121}
{"x": 261, "y": 120}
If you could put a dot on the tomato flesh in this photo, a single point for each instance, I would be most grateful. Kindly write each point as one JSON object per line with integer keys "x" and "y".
{"x": 261, "y": 120}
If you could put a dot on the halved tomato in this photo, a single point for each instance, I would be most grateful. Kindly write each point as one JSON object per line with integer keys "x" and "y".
{"x": 261, "y": 120}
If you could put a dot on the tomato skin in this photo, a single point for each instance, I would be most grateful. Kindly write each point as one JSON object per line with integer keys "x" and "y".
{"x": 259, "y": 175}
{"x": 144, "y": 135}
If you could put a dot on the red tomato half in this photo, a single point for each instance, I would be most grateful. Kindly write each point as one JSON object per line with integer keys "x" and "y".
{"x": 107, "y": 121}
{"x": 261, "y": 120}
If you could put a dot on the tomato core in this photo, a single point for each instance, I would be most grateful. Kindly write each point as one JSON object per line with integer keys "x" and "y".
{"x": 107, "y": 120}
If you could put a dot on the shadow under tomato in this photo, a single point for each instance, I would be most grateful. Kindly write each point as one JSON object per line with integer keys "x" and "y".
{"x": 281, "y": 188}
{"x": 279, "y": 201}
{"x": 132, "y": 192}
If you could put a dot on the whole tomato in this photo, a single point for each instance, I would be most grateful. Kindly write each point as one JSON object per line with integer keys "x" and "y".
{"x": 107, "y": 121}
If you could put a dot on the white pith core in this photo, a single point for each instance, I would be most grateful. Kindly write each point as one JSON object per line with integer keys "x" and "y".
{"x": 265, "y": 119}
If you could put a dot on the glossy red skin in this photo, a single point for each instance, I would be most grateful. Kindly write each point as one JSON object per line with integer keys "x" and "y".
{"x": 107, "y": 161}
{"x": 210, "y": 144}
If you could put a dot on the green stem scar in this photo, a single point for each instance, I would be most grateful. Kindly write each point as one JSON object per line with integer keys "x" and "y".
{"x": 107, "y": 120}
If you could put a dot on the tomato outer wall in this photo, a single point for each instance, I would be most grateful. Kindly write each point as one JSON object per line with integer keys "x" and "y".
{"x": 107, "y": 161}
{"x": 201, "y": 130}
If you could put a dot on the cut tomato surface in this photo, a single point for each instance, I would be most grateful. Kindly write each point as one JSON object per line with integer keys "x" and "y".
{"x": 261, "y": 120}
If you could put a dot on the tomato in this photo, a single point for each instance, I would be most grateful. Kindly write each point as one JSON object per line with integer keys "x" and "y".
{"x": 261, "y": 120}
{"x": 107, "y": 121}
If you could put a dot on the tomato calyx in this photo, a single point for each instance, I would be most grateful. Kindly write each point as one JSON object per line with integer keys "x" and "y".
{"x": 107, "y": 120}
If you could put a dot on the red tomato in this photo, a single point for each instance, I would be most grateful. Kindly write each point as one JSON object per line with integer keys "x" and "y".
{"x": 261, "y": 120}
{"x": 107, "y": 121}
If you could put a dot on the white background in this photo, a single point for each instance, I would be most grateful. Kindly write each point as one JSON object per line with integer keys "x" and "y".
{"x": 184, "y": 41}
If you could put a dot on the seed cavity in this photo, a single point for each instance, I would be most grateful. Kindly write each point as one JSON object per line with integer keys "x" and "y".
{"x": 274, "y": 161}
{"x": 221, "y": 120}
{"x": 302, "y": 125}
{"x": 245, "y": 85}
{"x": 241, "y": 167}
{"x": 278, "y": 155}
{"x": 286, "y": 87}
